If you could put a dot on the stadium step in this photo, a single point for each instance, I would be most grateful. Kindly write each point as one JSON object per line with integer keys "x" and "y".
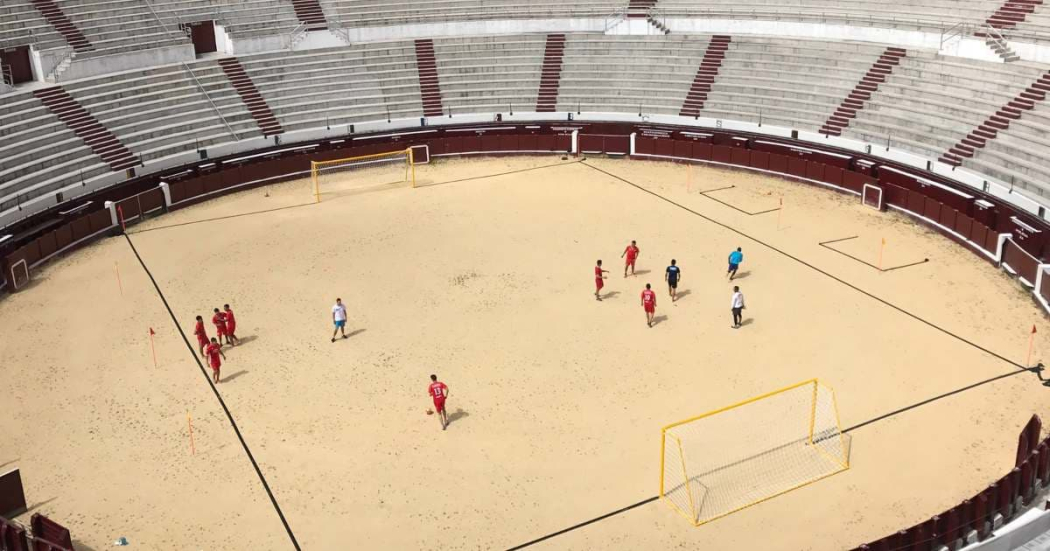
{"x": 256, "y": 103}
{"x": 57, "y": 19}
{"x": 706, "y": 74}
{"x": 550, "y": 76}
{"x": 640, "y": 8}
{"x": 1012, "y": 12}
{"x": 429, "y": 84}
{"x": 101, "y": 141}
{"x": 1000, "y": 120}
{"x": 839, "y": 120}
{"x": 310, "y": 14}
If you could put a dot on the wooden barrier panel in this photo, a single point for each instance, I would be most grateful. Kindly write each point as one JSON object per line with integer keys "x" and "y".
{"x": 13, "y": 537}
{"x": 702, "y": 151}
{"x": 815, "y": 171}
{"x": 855, "y": 181}
{"x": 81, "y": 228}
{"x": 12, "y": 494}
{"x": 833, "y": 175}
{"x": 644, "y": 145}
{"x": 778, "y": 163}
{"x": 63, "y": 236}
{"x": 100, "y": 220}
{"x": 760, "y": 160}
{"x": 1025, "y": 266}
{"x": 51, "y": 531}
{"x": 722, "y": 154}
{"x": 1029, "y": 437}
{"x": 916, "y": 202}
{"x": 664, "y": 148}
{"x": 740, "y": 156}
{"x": 528, "y": 142}
{"x": 797, "y": 166}
{"x": 682, "y": 148}
{"x": 947, "y": 218}
{"x": 932, "y": 209}
{"x": 509, "y": 143}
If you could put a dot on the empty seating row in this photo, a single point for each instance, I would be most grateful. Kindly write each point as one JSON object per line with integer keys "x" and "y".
{"x": 369, "y": 13}
{"x": 929, "y": 15}
{"x": 240, "y": 18}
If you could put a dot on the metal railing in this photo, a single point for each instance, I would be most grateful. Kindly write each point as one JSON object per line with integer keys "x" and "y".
{"x": 958, "y": 30}
{"x": 59, "y": 58}
{"x": 213, "y": 106}
{"x": 293, "y": 35}
{"x": 614, "y": 18}
{"x": 6, "y": 75}
{"x": 159, "y": 20}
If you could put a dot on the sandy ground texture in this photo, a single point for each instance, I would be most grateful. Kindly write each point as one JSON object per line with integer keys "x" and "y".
{"x": 484, "y": 276}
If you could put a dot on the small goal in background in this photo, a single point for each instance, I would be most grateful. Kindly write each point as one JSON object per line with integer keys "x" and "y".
{"x": 19, "y": 275}
{"x": 871, "y": 196}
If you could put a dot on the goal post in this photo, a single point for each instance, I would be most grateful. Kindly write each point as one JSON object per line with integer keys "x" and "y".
{"x": 729, "y": 459}
{"x": 363, "y": 172}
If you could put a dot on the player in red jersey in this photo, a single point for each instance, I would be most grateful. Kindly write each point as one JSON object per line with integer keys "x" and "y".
{"x": 231, "y": 325}
{"x": 219, "y": 319}
{"x": 649, "y": 303}
{"x": 214, "y": 351}
{"x": 202, "y": 336}
{"x": 599, "y": 275}
{"x": 439, "y": 392}
{"x": 631, "y": 252}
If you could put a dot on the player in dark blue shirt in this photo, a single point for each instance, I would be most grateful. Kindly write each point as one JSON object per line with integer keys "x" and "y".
{"x": 673, "y": 276}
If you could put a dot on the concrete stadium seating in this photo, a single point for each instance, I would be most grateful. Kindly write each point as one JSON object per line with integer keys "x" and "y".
{"x": 244, "y": 18}
{"x": 926, "y": 104}
{"x": 367, "y": 13}
{"x": 338, "y": 86}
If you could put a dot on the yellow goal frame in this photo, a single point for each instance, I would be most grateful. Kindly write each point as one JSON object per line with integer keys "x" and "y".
{"x": 844, "y": 463}
{"x": 317, "y": 166}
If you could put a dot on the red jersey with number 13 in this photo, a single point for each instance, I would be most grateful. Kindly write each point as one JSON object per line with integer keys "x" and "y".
{"x": 437, "y": 391}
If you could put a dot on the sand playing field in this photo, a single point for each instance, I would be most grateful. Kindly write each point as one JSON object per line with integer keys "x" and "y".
{"x": 557, "y": 400}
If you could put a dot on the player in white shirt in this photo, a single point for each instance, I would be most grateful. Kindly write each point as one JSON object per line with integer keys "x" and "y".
{"x": 737, "y": 305}
{"x": 339, "y": 318}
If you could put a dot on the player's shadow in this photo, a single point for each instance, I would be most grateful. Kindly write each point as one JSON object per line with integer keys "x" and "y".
{"x": 682, "y": 294}
{"x": 741, "y": 275}
{"x": 610, "y": 294}
{"x": 746, "y": 321}
{"x": 659, "y": 319}
{"x": 234, "y": 375}
{"x": 246, "y": 339}
{"x": 356, "y": 332}
{"x": 457, "y": 415}
{"x": 641, "y": 272}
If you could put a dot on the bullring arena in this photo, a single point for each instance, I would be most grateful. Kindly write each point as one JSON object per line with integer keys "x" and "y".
{"x": 482, "y": 159}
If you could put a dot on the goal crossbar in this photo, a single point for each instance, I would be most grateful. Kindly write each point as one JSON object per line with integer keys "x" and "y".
{"x": 318, "y": 168}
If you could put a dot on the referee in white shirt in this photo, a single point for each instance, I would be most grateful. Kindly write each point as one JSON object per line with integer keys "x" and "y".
{"x": 737, "y": 305}
{"x": 339, "y": 318}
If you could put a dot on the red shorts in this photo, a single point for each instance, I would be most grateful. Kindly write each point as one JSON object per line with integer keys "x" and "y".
{"x": 201, "y": 340}
{"x": 630, "y": 261}
{"x": 220, "y": 330}
{"x": 215, "y": 364}
{"x": 650, "y": 308}
{"x": 230, "y": 328}
{"x": 439, "y": 405}
{"x": 598, "y": 283}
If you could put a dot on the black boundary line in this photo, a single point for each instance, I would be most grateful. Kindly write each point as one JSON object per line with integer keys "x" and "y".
{"x": 218, "y": 396}
{"x": 816, "y": 269}
{"x": 1037, "y": 370}
{"x": 705, "y": 194}
{"x": 218, "y": 218}
{"x": 866, "y": 263}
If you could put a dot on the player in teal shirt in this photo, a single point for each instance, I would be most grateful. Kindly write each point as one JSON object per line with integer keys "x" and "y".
{"x": 735, "y": 258}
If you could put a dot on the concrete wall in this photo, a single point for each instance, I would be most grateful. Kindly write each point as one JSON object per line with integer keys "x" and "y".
{"x": 91, "y": 66}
